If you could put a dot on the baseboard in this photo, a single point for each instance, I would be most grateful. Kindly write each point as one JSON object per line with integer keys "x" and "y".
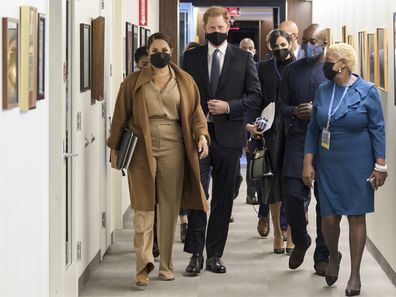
{"x": 381, "y": 261}
{"x": 85, "y": 276}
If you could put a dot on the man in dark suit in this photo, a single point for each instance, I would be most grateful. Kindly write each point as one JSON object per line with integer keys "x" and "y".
{"x": 299, "y": 84}
{"x": 228, "y": 84}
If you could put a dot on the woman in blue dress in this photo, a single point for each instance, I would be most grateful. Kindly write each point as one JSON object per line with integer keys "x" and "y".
{"x": 345, "y": 154}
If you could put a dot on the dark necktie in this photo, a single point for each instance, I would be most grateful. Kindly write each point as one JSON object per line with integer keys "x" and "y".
{"x": 215, "y": 72}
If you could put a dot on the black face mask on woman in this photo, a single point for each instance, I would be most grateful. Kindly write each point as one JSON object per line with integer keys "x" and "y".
{"x": 328, "y": 71}
{"x": 216, "y": 38}
{"x": 160, "y": 60}
{"x": 281, "y": 54}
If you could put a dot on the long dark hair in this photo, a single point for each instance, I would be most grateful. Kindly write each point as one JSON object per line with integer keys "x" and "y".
{"x": 159, "y": 35}
{"x": 275, "y": 34}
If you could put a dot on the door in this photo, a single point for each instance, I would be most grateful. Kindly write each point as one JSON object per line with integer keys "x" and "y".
{"x": 63, "y": 252}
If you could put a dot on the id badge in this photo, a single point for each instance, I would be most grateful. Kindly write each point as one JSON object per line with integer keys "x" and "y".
{"x": 326, "y": 138}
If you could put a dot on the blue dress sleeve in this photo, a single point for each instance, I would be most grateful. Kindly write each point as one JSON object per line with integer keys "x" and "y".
{"x": 313, "y": 129}
{"x": 376, "y": 124}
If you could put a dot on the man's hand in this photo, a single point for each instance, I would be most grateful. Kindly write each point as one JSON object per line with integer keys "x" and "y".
{"x": 303, "y": 111}
{"x": 114, "y": 158}
{"x": 216, "y": 106}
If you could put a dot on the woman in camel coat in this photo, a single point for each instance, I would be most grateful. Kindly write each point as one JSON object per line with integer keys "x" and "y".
{"x": 161, "y": 105}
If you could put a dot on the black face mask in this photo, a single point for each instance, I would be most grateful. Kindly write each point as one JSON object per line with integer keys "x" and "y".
{"x": 281, "y": 54}
{"x": 216, "y": 38}
{"x": 160, "y": 60}
{"x": 328, "y": 71}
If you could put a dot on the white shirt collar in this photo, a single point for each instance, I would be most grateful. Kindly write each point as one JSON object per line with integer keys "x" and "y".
{"x": 222, "y": 48}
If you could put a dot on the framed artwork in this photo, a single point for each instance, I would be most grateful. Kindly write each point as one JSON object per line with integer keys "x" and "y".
{"x": 148, "y": 34}
{"x": 142, "y": 36}
{"x": 329, "y": 36}
{"x": 10, "y": 62}
{"x": 344, "y": 34}
{"x": 128, "y": 48}
{"x": 85, "y": 57}
{"x": 28, "y": 58}
{"x": 371, "y": 48}
{"x": 351, "y": 41}
{"x": 381, "y": 59}
{"x": 394, "y": 56}
{"x": 98, "y": 51}
{"x": 41, "y": 57}
{"x": 362, "y": 54}
{"x": 135, "y": 40}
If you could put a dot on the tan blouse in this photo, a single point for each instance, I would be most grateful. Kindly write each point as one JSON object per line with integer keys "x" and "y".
{"x": 164, "y": 104}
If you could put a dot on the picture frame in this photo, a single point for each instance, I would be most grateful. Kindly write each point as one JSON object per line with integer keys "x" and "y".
{"x": 98, "y": 58}
{"x": 344, "y": 34}
{"x": 351, "y": 40}
{"x": 142, "y": 36}
{"x": 85, "y": 57}
{"x": 41, "y": 56}
{"x": 128, "y": 48}
{"x": 362, "y": 54}
{"x": 329, "y": 36}
{"x": 148, "y": 34}
{"x": 370, "y": 59}
{"x": 10, "y": 61}
{"x": 135, "y": 40}
{"x": 381, "y": 59}
{"x": 394, "y": 57}
{"x": 27, "y": 70}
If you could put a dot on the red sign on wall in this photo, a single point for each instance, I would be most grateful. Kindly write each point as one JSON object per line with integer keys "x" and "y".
{"x": 233, "y": 11}
{"x": 143, "y": 12}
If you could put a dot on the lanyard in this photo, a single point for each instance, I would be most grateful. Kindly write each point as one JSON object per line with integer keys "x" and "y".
{"x": 330, "y": 114}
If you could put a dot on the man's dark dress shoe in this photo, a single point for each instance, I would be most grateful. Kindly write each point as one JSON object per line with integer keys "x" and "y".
{"x": 195, "y": 265}
{"x": 215, "y": 265}
{"x": 331, "y": 279}
{"x": 298, "y": 254}
{"x": 352, "y": 292}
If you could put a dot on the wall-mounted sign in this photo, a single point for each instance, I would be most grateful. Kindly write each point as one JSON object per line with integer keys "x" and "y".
{"x": 234, "y": 11}
{"x": 143, "y": 12}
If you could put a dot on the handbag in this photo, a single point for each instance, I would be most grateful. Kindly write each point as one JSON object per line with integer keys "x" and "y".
{"x": 126, "y": 149}
{"x": 260, "y": 166}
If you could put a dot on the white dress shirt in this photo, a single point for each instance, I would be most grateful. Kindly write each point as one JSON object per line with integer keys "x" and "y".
{"x": 221, "y": 55}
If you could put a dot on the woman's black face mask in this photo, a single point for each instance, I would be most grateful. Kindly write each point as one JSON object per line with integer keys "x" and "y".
{"x": 160, "y": 60}
{"x": 328, "y": 71}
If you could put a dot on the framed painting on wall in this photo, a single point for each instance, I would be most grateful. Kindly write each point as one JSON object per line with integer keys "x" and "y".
{"x": 394, "y": 57}
{"x": 344, "y": 34}
{"x": 128, "y": 48}
{"x": 148, "y": 34}
{"x": 142, "y": 36}
{"x": 371, "y": 53}
{"x": 351, "y": 41}
{"x": 98, "y": 58}
{"x": 85, "y": 57}
{"x": 28, "y": 58}
{"x": 41, "y": 57}
{"x": 329, "y": 36}
{"x": 135, "y": 40}
{"x": 381, "y": 59}
{"x": 10, "y": 62}
{"x": 362, "y": 54}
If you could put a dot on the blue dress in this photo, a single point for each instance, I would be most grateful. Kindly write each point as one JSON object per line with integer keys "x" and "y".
{"x": 357, "y": 138}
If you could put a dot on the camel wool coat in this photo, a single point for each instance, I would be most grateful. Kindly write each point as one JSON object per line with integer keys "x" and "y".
{"x": 130, "y": 111}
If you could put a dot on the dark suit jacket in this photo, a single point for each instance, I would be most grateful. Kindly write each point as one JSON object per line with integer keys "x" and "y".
{"x": 300, "y": 81}
{"x": 238, "y": 85}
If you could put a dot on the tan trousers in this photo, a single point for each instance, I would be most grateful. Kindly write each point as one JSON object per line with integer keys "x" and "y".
{"x": 168, "y": 158}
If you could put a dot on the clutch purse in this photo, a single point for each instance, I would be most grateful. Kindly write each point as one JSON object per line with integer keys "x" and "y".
{"x": 126, "y": 148}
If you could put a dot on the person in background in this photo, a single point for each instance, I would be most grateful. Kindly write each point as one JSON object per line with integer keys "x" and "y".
{"x": 161, "y": 105}
{"x": 227, "y": 80}
{"x": 292, "y": 29}
{"x": 300, "y": 81}
{"x": 183, "y": 213}
{"x": 270, "y": 75}
{"x": 346, "y": 140}
{"x": 141, "y": 57}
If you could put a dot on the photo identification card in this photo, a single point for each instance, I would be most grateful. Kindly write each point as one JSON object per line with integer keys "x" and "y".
{"x": 326, "y": 138}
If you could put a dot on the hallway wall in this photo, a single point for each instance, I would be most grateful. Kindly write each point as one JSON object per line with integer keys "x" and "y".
{"x": 367, "y": 15}
{"x": 24, "y": 195}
